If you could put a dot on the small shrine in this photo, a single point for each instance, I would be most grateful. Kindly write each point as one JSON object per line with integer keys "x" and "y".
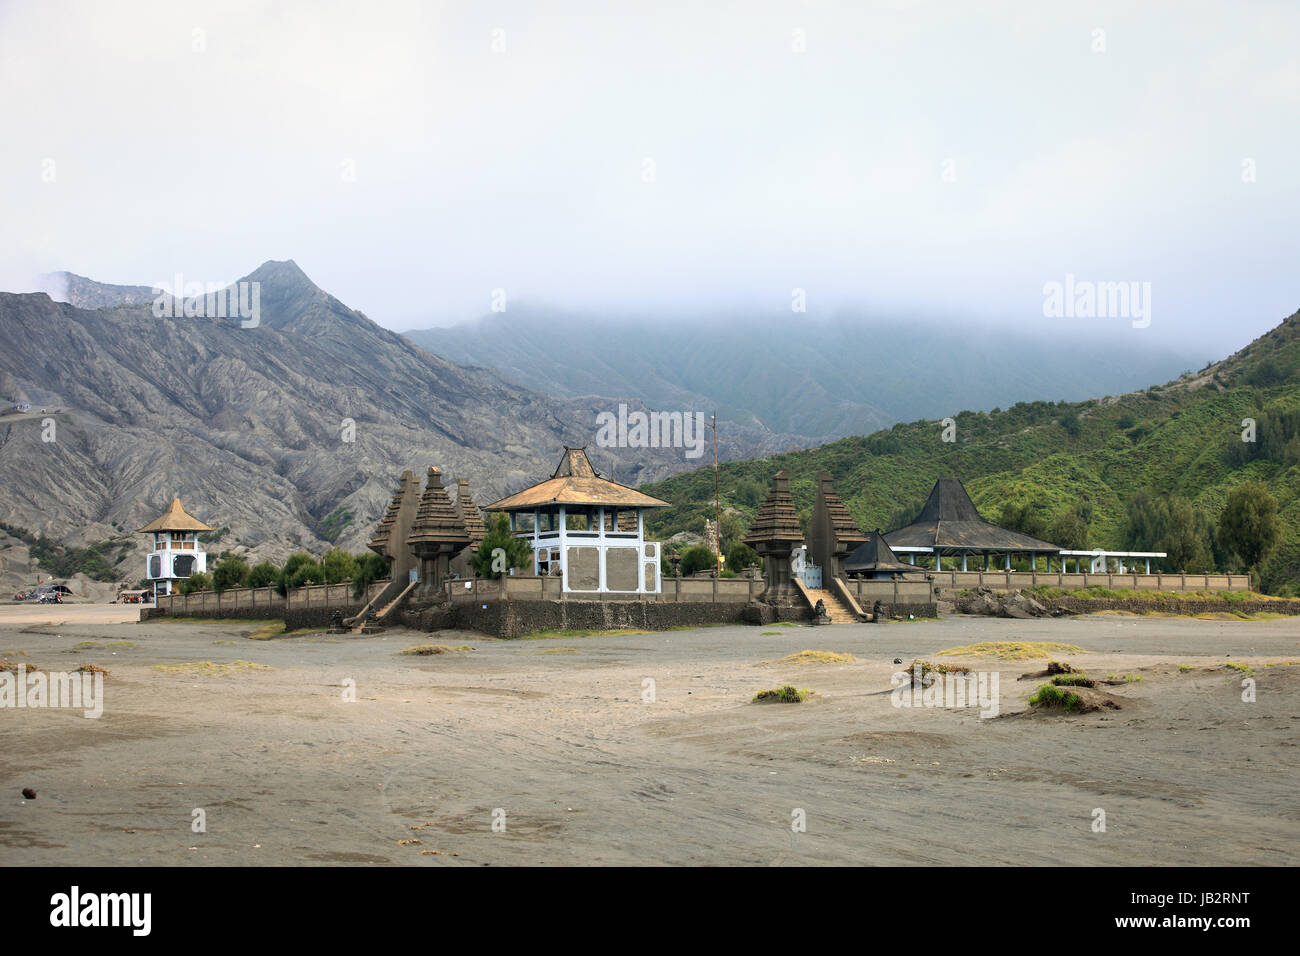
{"x": 774, "y": 534}
{"x": 437, "y": 535}
{"x": 177, "y": 552}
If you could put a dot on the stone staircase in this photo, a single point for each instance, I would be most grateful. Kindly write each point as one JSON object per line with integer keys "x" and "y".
{"x": 839, "y": 613}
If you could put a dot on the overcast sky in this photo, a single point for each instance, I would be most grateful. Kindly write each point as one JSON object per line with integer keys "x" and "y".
{"x": 943, "y": 158}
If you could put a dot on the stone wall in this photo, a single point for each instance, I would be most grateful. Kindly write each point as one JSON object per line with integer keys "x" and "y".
{"x": 1148, "y": 605}
{"x": 297, "y": 619}
{"x": 518, "y": 618}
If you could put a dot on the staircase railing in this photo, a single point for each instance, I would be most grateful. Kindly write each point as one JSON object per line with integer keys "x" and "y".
{"x": 841, "y": 591}
{"x": 391, "y": 590}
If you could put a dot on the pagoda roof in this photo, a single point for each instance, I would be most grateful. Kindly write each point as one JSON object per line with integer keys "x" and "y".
{"x": 469, "y": 514}
{"x": 576, "y": 482}
{"x": 843, "y": 526}
{"x": 950, "y": 520}
{"x": 776, "y": 520}
{"x": 874, "y": 555}
{"x": 175, "y": 518}
{"x": 438, "y": 521}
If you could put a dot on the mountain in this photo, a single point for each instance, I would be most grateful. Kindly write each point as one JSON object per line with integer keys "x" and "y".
{"x": 88, "y": 294}
{"x": 248, "y": 425}
{"x": 819, "y": 379}
{"x": 1181, "y": 439}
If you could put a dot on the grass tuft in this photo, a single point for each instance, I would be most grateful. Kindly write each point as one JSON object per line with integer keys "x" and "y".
{"x": 1049, "y": 696}
{"x": 1012, "y": 650}
{"x": 816, "y": 657}
{"x": 785, "y": 694}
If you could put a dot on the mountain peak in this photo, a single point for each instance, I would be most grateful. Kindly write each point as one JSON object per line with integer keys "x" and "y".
{"x": 282, "y": 273}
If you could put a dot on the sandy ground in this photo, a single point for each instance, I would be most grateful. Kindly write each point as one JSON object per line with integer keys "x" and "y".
{"x": 30, "y": 612}
{"x": 555, "y": 733}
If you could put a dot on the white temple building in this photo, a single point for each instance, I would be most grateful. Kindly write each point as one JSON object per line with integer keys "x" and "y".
{"x": 587, "y": 529}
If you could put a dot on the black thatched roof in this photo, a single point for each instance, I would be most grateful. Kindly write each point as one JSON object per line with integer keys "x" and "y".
{"x": 950, "y": 520}
{"x": 874, "y": 555}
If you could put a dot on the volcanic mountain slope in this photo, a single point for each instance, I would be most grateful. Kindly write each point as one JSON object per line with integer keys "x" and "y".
{"x": 1183, "y": 439}
{"x": 248, "y": 426}
{"x": 819, "y": 378}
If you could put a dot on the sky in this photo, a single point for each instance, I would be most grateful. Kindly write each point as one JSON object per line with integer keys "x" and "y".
{"x": 944, "y": 159}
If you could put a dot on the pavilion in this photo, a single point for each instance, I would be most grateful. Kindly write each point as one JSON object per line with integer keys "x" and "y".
{"x": 874, "y": 559}
{"x": 949, "y": 525}
{"x": 587, "y": 529}
{"x": 177, "y": 552}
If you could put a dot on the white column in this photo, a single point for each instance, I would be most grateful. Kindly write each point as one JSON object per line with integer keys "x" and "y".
{"x": 564, "y": 549}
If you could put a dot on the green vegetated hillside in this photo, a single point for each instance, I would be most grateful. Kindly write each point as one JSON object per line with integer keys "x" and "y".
{"x": 1182, "y": 439}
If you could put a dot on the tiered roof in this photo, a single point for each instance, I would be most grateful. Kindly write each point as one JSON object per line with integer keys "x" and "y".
{"x": 776, "y": 520}
{"x": 470, "y": 514}
{"x": 175, "y": 518}
{"x": 438, "y": 521}
{"x": 844, "y": 528}
{"x": 576, "y": 482}
{"x": 950, "y": 520}
{"x": 874, "y": 554}
{"x": 379, "y": 541}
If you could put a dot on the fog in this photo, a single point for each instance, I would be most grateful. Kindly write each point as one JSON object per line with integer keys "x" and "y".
{"x": 891, "y": 159}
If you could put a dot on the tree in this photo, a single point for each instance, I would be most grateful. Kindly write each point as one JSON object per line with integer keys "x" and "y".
{"x": 1249, "y": 525}
{"x": 1184, "y": 539}
{"x": 698, "y": 558}
{"x": 1145, "y": 521}
{"x": 517, "y": 552}
{"x": 1070, "y": 531}
{"x": 290, "y": 568}
{"x": 731, "y": 529}
{"x": 1024, "y": 518}
{"x": 741, "y": 556}
{"x": 262, "y": 575}
{"x": 1070, "y": 422}
{"x": 195, "y": 582}
{"x": 307, "y": 573}
{"x": 370, "y": 568}
{"x": 338, "y": 566}
{"x": 230, "y": 572}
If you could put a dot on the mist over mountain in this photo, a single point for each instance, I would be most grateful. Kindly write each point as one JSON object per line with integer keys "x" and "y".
{"x": 250, "y": 426}
{"x": 820, "y": 379}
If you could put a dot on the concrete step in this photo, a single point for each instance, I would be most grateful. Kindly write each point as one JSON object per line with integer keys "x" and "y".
{"x": 840, "y": 614}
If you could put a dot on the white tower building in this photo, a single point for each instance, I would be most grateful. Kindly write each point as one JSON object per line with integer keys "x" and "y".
{"x": 176, "y": 552}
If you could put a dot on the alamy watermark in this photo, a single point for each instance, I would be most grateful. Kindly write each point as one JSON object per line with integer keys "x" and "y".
{"x": 81, "y": 690}
{"x": 929, "y": 688}
{"x": 1084, "y": 299}
{"x": 213, "y": 300}
{"x": 651, "y": 430}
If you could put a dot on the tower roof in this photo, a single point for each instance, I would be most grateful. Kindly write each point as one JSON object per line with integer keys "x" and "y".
{"x": 438, "y": 521}
{"x": 845, "y": 529}
{"x": 874, "y": 554}
{"x": 576, "y": 482}
{"x": 776, "y": 520}
{"x": 950, "y": 520}
{"x": 175, "y": 518}
{"x": 379, "y": 541}
{"x": 469, "y": 514}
